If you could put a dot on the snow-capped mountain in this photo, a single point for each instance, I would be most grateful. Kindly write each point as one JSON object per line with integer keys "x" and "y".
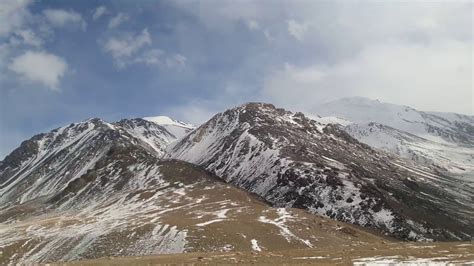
{"x": 94, "y": 189}
{"x": 48, "y": 163}
{"x": 457, "y": 160}
{"x": 291, "y": 160}
{"x": 434, "y": 126}
{"x": 442, "y": 140}
{"x": 177, "y": 128}
{"x": 137, "y": 187}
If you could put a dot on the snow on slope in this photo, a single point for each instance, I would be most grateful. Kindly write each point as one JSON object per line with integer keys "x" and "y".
{"x": 291, "y": 160}
{"x": 438, "y": 127}
{"x": 326, "y": 120}
{"x": 447, "y": 156}
{"x": 443, "y": 140}
{"x": 150, "y": 134}
{"x": 82, "y": 223}
{"x": 48, "y": 163}
{"x": 131, "y": 203}
{"x": 177, "y": 128}
{"x": 31, "y": 161}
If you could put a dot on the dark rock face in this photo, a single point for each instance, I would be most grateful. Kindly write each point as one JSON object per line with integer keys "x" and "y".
{"x": 291, "y": 160}
{"x": 14, "y": 160}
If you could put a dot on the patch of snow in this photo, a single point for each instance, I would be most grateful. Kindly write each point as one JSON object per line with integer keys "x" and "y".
{"x": 283, "y": 217}
{"x": 255, "y": 245}
{"x": 309, "y": 258}
{"x": 175, "y": 127}
{"x": 326, "y": 120}
{"x": 209, "y": 222}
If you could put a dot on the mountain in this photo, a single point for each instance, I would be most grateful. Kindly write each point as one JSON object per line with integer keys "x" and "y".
{"x": 177, "y": 128}
{"x": 434, "y": 126}
{"x": 441, "y": 140}
{"x": 456, "y": 160}
{"x": 94, "y": 189}
{"x": 48, "y": 163}
{"x": 250, "y": 179}
{"x": 293, "y": 161}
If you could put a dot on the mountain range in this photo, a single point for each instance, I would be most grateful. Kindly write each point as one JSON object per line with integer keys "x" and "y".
{"x": 255, "y": 177}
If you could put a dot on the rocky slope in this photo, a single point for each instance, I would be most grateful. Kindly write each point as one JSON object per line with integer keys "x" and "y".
{"x": 48, "y": 163}
{"x": 291, "y": 160}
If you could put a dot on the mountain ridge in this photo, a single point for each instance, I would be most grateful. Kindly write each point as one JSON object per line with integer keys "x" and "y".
{"x": 443, "y": 140}
{"x": 132, "y": 187}
{"x": 238, "y": 145}
{"x": 435, "y": 126}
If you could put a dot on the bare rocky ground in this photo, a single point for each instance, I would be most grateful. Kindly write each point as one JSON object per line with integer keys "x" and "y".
{"x": 362, "y": 253}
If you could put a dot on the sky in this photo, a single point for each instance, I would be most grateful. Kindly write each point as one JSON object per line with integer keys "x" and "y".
{"x": 66, "y": 61}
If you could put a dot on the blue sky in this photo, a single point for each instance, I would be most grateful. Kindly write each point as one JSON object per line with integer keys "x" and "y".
{"x": 65, "y": 61}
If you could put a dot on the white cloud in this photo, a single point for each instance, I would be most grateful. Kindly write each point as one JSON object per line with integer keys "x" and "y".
{"x": 135, "y": 49}
{"x": 434, "y": 77}
{"x": 253, "y": 25}
{"x": 418, "y": 53}
{"x": 61, "y": 18}
{"x": 19, "y": 26}
{"x": 150, "y": 57}
{"x": 160, "y": 58}
{"x": 268, "y": 35}
{"x": 13, "y": 14}
{"x": 297, "y": 30}
{"x": 123, "y": 49}
{"x": 40, "y": 67}
{"x": 25, "y": 36}
{"x": 4, "y": 54}
{"x": 117, "y": 20}
{"x": 99, "y": 12}
{"x": 217, "y": 14}
{"x": 30, "y": 38}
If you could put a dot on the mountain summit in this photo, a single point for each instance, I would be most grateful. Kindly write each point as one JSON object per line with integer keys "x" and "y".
{"x": 178, "y": 128}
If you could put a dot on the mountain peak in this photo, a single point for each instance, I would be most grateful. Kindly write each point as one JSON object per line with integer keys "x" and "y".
{"x": 176, "y": 127}
{"x": 257, "y": 105}
{"x": 166, "y": 120}
{"x": 360, "y": 102}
